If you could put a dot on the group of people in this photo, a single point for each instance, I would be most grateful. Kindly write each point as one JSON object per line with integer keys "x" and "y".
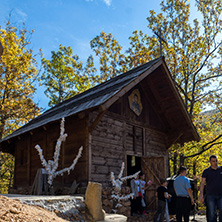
{"x": 211, "y": 179}
{"x": 138, "y": 187}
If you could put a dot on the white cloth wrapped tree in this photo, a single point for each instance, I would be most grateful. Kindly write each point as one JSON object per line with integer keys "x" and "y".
{"x": 52, "y": 165}
{"x": 117, "y": 183}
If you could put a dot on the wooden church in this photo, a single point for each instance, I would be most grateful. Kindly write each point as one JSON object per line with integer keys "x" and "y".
{"x": 132, "y": 118}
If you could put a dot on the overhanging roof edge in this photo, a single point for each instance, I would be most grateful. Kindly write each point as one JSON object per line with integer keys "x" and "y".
{"x": 131, "y": 84}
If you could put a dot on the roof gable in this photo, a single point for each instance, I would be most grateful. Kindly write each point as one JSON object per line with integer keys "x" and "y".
{"x": 103, "y": 95}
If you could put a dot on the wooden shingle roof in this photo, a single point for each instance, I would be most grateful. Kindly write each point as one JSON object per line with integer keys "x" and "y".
{"x": 103, "y": 95}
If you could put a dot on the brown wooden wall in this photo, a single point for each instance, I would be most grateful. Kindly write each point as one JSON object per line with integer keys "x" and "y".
{"x": 121, "y": 132}
{"x": 106, "y": 148}
{"x": 113, "y": 139}
{"x": 22, "y": 161}
{"x": 28, "y": 161}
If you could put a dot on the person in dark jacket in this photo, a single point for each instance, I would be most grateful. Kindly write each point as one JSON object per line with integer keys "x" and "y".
{"x": 212, "y": 176}
{"x": 163, "y": 195}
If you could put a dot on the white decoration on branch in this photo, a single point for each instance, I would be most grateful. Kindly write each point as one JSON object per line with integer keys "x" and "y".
{"x": 117, "y": 197}
{"x": 52, "y": 165}
{"x": 117, "y": 183}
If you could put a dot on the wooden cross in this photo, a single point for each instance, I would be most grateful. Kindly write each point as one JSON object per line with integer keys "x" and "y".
{"x": 134, "y": 136}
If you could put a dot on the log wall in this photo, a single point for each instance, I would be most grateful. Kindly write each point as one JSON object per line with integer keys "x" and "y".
{"x": 113, "y": 139}
{"x": 107, "y": 148}
{"x": 28, "y": 160}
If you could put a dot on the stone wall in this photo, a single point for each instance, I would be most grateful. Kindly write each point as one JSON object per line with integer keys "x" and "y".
{"x": 109, "y": 203}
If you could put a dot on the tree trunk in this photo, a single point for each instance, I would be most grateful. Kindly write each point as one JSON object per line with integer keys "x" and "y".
{"x": 181, "y": 160}
{"x": 175, "y": 163}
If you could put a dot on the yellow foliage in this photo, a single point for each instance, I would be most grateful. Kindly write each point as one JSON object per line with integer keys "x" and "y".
{"x": 17, "y": 74}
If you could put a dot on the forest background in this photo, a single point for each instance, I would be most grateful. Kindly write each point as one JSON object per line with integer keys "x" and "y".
{"x": 190, "y": 43}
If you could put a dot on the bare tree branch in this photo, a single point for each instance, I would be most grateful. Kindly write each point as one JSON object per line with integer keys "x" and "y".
{"x": 205, "y": 147}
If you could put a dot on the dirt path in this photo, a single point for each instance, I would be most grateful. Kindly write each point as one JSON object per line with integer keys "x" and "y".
{"x": 14, "y": 210}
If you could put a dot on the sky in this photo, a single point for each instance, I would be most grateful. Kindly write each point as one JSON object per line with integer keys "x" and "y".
{"x": 75, "y": 22}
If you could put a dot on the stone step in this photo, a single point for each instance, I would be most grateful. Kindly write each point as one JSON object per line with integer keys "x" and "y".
{"x": 114, "y": 217}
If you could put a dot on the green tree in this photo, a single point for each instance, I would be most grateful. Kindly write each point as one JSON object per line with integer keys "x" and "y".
{"x": 17, "y": 74}
{"x": 64, "y": 75}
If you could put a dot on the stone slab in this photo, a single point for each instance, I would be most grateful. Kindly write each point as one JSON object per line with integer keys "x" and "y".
{"x": 114, "y": 217}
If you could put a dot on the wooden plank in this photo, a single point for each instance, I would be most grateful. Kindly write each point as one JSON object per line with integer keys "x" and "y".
{"x": 151, "y": 202}
{"x": 144, "y": 141}
{"x": 96, "y": 121}
{"x": 131, "y": 85}
{"x": 157, "y": 178}
{"x": 108, "y": 140}
{"x": 99, "y": 145}
{"x": 115, "y": 154}
{"x": 97, "y": 160}
{"x": 90, "y": 157}
{"x": 100, "y": 170}
{"x": 154, "y": 143}
{"x": 100, "y": 177}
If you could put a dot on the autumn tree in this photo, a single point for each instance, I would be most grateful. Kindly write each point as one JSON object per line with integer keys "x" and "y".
{"x": 112, "y": 61}
{"x": 65, "y": 76}
{"x": 192, "y": 49}
{"x": 17, "y": 74}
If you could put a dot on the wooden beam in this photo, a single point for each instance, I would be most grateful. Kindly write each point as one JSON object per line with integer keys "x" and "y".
{"x": 137, "y": 80}
{"x": 90, "y": 158}
{"x": 173, "y": 137}
{"x": 151, "y": 202}
{"x": 81, "y": 115}
{"x": 154, "y": 104}
{"x": 178, "y": 137}
{"x": 95, "y": 122}
{"x": 144, "y": 141}
{"x": 180, "y": 100}
{"x": 152, "y": 172}
{"x": 29, "y": 161}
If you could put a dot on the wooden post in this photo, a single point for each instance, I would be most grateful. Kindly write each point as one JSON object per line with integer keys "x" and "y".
{"x": 90, "y": 157}
{"x": 29, "y": 160}
{"x": 144, "y": 142}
